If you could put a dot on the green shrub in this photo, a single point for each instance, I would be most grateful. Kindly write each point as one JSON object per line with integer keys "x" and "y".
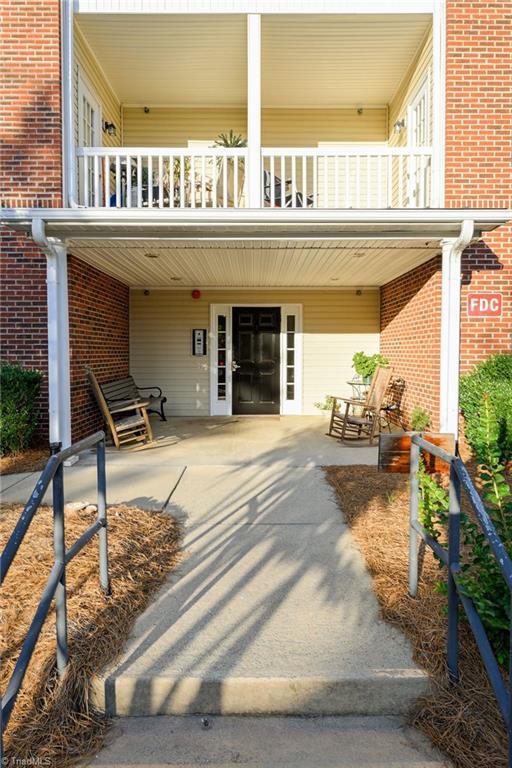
{"x": 480, "y": 575}
{"x": 492, "y": 378}
{"x": 420, "y": 419}
{"x": 19, "y": 413}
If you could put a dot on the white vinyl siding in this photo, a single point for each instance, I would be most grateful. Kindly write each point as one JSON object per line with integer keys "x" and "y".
{"x": 336, "y": 323}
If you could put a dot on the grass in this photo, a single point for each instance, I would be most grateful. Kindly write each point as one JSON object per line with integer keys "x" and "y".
{"x": 51, "y": 720}
{"x": 462, "y": 720}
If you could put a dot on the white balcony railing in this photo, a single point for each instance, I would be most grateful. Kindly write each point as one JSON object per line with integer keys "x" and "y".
{"x": 369, "y": 177}
{"x": 161, "y": 178}
{"x": 356, "y": 177}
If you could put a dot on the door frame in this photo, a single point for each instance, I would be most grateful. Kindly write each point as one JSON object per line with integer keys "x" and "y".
{"x": 286, "y": 407}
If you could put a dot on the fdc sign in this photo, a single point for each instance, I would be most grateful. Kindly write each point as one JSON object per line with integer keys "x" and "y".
{"x": 484, "y": 304}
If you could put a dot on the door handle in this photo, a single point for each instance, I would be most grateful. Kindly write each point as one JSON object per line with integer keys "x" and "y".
{"x": 234, "y": 366}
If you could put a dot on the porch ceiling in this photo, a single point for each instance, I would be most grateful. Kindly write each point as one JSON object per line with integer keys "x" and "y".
{"x": 308, "y": 60}
{"x": 264, "y": 264}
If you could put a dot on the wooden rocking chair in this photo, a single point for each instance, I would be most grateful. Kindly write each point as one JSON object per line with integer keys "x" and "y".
{"x": 368, "y": 423}
{"x": 127, "y": 420}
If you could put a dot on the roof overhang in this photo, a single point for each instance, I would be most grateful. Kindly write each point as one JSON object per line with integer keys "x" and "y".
{"x": 253, "y": 224}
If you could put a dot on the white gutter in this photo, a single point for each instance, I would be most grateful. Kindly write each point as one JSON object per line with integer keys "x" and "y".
{"x": 450, "y": 328}
{"x": 265, "y": 216}
{"x": 69, "y": 185}
{"x": 58, "y": 335}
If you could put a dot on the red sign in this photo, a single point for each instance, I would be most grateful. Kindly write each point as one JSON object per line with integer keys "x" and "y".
{"x": 484, "y": 304}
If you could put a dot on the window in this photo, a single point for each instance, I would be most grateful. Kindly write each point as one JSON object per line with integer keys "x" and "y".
{"x": 221, "y": 356}
{"x": 89, "y": 135}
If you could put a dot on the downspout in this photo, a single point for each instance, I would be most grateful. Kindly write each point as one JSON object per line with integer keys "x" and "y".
{"x": 59, "y": 397}
{"x": 68, "y": 118}
{"x": 450, "y": 327}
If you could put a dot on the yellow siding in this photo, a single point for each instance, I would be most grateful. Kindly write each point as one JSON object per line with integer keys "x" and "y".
{"x": 335, "y": 324}
{"x": 173, "y": 127}
{"x": 308, "y": 127}
{"x": 415, "y": 76}
{"x": 86, "y": 65}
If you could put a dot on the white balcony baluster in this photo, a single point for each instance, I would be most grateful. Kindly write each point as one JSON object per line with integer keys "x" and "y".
{"x": 290, "y": 177}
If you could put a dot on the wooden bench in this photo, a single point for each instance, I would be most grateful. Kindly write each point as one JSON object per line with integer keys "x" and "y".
{"x": 120, "y": 390}
{"x": 127, "y": 419}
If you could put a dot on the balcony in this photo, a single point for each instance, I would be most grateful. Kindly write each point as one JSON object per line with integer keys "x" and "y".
{"x": 173, "y": 177}
{"x": 331, "y": 111}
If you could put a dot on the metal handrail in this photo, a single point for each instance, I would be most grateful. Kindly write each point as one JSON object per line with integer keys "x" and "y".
{"x": 460, "y": 480}
{"x": 56, "y": 582}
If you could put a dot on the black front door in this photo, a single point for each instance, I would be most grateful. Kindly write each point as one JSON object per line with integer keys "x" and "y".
{"x": 256, "y": 380}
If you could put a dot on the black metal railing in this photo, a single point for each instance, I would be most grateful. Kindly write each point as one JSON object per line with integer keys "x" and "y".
{"x": 56, "y": 584}
{"x": 461, "y": 481}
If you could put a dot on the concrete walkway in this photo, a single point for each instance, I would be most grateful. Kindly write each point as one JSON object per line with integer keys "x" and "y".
{"x": 272, "y": 611}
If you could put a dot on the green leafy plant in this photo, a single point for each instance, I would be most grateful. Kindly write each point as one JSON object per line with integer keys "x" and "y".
{"x": 19, "y": 413}
{"x": 420, "y": 419}
{"x": 365, "y": 365}
{"x": 326, "y": 405}
{"x": 480, "y": 575}
{"x": 493, "y": 378}
{"x": 230, "y": 139}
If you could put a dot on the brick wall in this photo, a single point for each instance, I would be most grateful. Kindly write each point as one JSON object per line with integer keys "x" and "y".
{"x": 30, "y": 145}
{"x": 478, "y": 165}
{"x": 478, "y": 104}
{"x": 23, "y": 327}
{"x": 99, "y": 337}
{"x": 478, "y": 174}
{"x": 410, "y": 334}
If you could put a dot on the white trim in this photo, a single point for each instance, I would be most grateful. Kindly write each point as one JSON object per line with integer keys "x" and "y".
{"x": 438, "y": 102}
{"x": 254, "y": 110}
{"x": 69, "y": 175}
{"x": 254, "y": 6}
{"x": 225, "y": 407}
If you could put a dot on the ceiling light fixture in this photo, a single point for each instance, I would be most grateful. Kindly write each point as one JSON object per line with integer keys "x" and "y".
{"x": 151, "y": 255}
{"x": 175, "y": 279}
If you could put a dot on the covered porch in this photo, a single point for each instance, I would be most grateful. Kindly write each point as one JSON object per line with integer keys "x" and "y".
{"x": 323, "y": 269}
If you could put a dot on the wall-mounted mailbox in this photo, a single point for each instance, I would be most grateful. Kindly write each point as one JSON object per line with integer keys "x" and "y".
{"x": 199, "y": 341}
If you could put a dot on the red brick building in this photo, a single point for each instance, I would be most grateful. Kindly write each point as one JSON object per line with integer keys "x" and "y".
{"x": 336, "y": 213}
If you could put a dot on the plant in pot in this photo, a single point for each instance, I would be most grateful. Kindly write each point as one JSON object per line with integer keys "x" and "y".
{"x": 365, "y": 365}
{"x": 230, "y": 140}
{"x": 325, "y": 406}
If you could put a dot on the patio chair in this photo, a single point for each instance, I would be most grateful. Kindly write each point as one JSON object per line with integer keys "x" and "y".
{"x": 369, "y": 421}
{"x": 269, "y": 180}
{"x": 127, "y": 420}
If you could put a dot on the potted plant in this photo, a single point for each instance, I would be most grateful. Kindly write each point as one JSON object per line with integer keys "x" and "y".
{"x": 231, "y": 140}
{"x": 325, "y": 406}
{"x": 365, "y": 365}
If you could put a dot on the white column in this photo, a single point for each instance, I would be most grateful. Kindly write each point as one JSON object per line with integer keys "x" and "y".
{"x": 58, "y": 345}
{"x": 254, "y": 109}
{"x": 450, "y": 329}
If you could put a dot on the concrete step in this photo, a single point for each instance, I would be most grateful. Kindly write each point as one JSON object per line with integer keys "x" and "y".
{"x": 262, "y": 742}
{"x": 377, "y": 692}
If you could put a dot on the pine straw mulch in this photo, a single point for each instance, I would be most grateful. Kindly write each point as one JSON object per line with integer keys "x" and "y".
{"x": 31, "y": 460}
{"x": 464, "y": 720}
{"x": 51, "y": 723}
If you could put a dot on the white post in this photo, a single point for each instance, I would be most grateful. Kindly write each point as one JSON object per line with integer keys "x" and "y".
{"x": 254, "y": 110}
{"x": 58, "y": 345}
{"x": 450, "y": 329}
{"x": 438, "y": 103}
